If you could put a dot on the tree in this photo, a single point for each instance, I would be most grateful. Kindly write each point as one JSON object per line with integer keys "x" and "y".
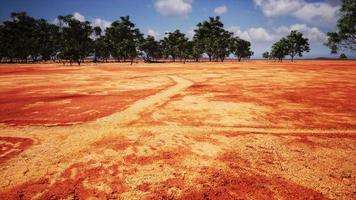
{"x": 222, "y": 45}
{"x": 345, "y": 37}
{"x": 297, "y": 44}
{"x": 47, "y": 36}
{"x": 124, "y": 39}
{"x": 97, "y": 34}
{"x": 197, "y": 49}
{"x": 280, "y": 49}
{"x": 266, "y": 55}
{"x": 241, "y": 48}
{"x": 343, "y": 56}
{"x": 175, "y": 44}
{"x": 19, "y": 37}
{"x": 2, "y": 38}
{"x": 101, "y": 45}
{"x": 207, "y": 36}
{"x": 76, "y": 43}
{"x": 101, "y": 49}
{"x": 151, "y": 49}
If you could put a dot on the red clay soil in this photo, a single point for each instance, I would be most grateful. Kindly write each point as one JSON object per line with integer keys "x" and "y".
{"x": 50, "y": 103}
{"x": 185, "y": 142}
{"x": 81, "y": 108}
{"x": 71, "y": 184}
{"x": 12, "y": 146}
{"x": 23, "y": 69}
{"x": 220, "y": 184}
{"x": 237, "y": 181}
{"x": 312, "y": 141}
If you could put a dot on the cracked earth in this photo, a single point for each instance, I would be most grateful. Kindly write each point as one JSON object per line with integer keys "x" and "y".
{"x": 251, "y": 130}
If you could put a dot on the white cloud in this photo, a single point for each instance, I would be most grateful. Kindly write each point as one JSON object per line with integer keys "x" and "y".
{"x": 262, "y": 35}
{"x": 220, "y": 10}
{"x": 78, "y": 16}
{"x": 238, "y": 32}
{"x": 254, "y": 34}
{"x": 174, "y": 7}
{"x": 154, "y": 33}
{"x": 55, "y": 21}
{"x": 272, "y": 8}
{"x": 311, "y": 12}
{"x": 263, "y": 38}
{"x": 102, "y": 23}
{"x": 312, "y": 33}
{"x": 318, "y": 11}
{"x": 190, "y": 33}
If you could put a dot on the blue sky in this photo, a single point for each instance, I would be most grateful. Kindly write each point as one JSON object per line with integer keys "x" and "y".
{"x": 260, "y": 21}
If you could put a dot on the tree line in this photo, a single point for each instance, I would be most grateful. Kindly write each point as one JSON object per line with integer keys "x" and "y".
{"x": 26, "y": 39}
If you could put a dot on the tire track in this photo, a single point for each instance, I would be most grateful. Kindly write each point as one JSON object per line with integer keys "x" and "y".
{"x": 132, "y": 112}
{"x": 55, "y": 150}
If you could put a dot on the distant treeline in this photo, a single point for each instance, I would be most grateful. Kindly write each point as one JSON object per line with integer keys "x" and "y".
{"x": 26, "y": 39}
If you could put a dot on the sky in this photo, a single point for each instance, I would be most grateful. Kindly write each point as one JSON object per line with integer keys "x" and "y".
{"x": 262, "y": 22}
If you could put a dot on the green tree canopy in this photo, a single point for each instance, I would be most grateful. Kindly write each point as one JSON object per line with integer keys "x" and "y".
{"x": 101, "y": 46}
{"x": 151, "y": 49}
{"x": 280, "y": 49}
{"x": 124, "y": 39}
{"x": 76, "y": 43}
{"x": 207, "y": 36}
{"x": 222, "y": 44}
{"x": 19, "y": 36}
{"x": 48, "y": 39}
{"x": 175, "y": 44}
{"x": 297, "y": 44}
{"x": 266, "y": 55}
{"x": 241, "y": 48}
{"x": 343, "y": 56}
{"x": 345, "y": 37}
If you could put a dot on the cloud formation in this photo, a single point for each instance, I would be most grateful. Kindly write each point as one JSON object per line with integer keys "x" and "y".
{"x": 154, "y": 33}
{"x": 320, "y": 12}
{"x": 220, "y": 10}
{"x": 262, "y": 38}
{"x": 78, "y": 16}
{"x": 261, "y": 35}
{"x": 102, "y": 23}
{"x": 174, "y": 7}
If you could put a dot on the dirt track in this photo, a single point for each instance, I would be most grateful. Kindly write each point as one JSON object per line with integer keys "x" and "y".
{"x": 253, "y": 130}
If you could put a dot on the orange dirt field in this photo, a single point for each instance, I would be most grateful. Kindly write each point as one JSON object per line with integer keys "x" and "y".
{"x": 249, "y": 130}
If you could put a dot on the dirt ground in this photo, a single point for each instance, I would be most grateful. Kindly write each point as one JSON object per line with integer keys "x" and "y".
{"x": 250, "y": 130}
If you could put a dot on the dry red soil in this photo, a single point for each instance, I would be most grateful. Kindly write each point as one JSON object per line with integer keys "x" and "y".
{"x": 249, "y": 130}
